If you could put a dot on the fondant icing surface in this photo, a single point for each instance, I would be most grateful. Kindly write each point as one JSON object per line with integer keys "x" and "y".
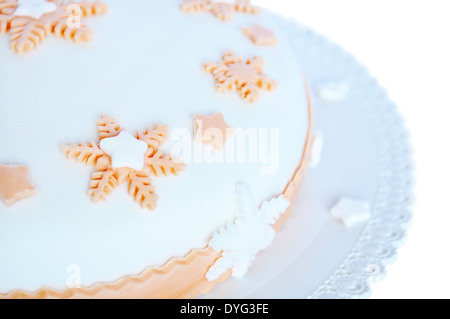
{"x": 144, "y": 67}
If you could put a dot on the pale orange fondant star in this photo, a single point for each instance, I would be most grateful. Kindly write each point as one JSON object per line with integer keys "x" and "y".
{"x": 233, "y": 74}
{"x": 15, "y": 184}
{"x": 107, "y": 177}
{"x": 27, "y": 32}
{"x": 260, "y": 35}
{"x": 212, "y": 130}
{"x": 222, "y": 10}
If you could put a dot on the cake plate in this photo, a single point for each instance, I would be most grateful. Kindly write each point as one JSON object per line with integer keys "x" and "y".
{"x": 366, "y": 156}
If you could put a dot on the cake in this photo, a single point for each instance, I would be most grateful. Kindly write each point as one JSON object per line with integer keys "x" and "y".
{"x": 153, "y": 154}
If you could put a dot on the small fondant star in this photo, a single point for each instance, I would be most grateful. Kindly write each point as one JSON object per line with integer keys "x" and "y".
{"x": 34, "y": 8}
{"x": 234, "y": 74}
{"x": 125, "y": 151}
{"x": 260, "y": 35}
{"x": 212, "y": 130}
{"x": 351, "y": 212}
{"x": 15, "y": 184}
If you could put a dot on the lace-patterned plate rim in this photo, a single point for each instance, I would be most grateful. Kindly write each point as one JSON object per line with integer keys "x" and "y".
{"x": 392, "y": 213}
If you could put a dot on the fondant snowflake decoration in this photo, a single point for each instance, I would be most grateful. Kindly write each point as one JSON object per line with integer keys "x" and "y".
{"x": 223, "y": 10}
{"x": 250, "y": 233}
{"x": 108, "y": 176}
{"x": 30, "y": 21}
{"x": 246, "y": 77}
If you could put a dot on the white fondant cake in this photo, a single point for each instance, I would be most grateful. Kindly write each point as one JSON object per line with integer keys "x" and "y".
{"x": 144, "y": 67}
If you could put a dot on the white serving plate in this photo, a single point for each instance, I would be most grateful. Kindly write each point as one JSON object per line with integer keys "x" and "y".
{"x": 366, "y": 156}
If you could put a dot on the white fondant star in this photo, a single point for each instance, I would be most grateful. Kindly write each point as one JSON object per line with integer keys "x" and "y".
{"x": 333, "y": 91}
{"x": 351, "y": 212}
{"x": 125, "y": 151}
{"x": 34, "y": 8}
{"x": 316, "y": 153}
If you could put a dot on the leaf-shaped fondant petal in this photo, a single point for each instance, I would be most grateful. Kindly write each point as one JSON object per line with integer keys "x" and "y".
{"x": 196, "y": 5}
{"x": 108, "y": 127}
{"x": 26, "y": 34}
{"x": 142, "y": 190}
{"x": 102, "y": 184}
{"x": 92, "y": 8}
{"x": 89, "y": 154}
{"x": 154, "y": 137}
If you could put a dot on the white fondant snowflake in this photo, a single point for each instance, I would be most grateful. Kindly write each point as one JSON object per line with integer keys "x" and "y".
{"x": 125, "y": 151}
{"x": 251, "y": 232}
{"x": 351, "y": 212}
{"x": 34, "y": 8}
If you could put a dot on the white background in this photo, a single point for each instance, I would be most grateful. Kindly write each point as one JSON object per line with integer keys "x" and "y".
{"x": 406, "y": 45}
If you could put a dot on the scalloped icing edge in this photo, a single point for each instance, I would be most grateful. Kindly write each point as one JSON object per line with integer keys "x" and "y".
{"x": 180, "y": 277}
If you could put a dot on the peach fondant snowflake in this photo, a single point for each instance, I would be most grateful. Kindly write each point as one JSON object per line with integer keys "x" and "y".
{"x": 29, "y": 23}
{"x": 260, "y": 35}
{"x": 110, "y": 175}
{"x": 221, "y": 9}
{"x": 245, "y": 77}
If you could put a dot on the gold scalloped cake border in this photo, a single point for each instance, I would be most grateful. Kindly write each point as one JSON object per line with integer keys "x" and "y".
{"x": 181, "y": 277}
